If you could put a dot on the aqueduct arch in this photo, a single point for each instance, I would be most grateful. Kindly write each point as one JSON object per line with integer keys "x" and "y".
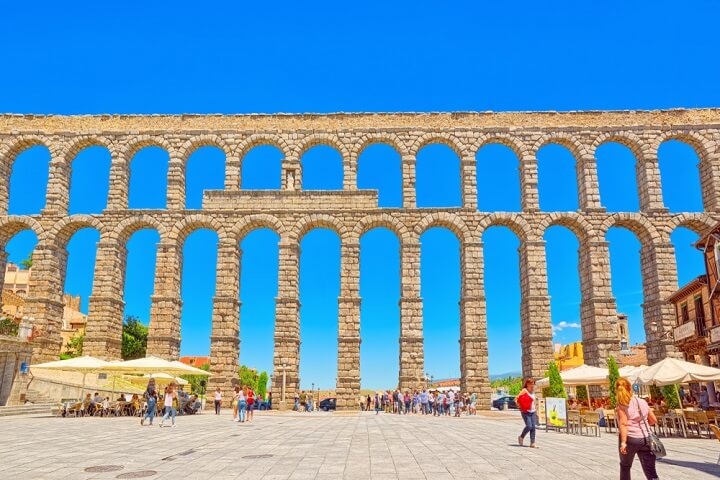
{"x": 233, "y": 212}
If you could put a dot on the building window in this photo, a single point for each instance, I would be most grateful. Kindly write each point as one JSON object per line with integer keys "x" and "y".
{"x": 699, "y": 316}
{"x": 684, "y": 315}
{"x": 717, "y": 257}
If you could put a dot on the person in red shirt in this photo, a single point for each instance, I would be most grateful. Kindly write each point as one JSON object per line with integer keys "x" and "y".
{"x": 250, "y": 404}
{"x": 526, "y": 402}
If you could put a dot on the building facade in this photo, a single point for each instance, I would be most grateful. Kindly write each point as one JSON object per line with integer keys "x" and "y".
{"x": 706, "y": 291}
{"x": 292, "y": 212}
{"x": 15, "y": 291}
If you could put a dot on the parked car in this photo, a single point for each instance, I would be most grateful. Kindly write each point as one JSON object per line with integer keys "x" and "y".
{"x": 327, "y": 404}
{"x": 505, "y": 402}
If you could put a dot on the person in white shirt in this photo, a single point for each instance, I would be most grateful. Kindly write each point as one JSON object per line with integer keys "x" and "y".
{"x": 218, "y": 400}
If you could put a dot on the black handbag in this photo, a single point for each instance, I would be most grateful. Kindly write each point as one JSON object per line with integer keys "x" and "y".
{"x": 656, "y": 446}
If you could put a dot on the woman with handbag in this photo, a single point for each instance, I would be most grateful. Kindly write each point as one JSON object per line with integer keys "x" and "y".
{"x": 526, "y": 401}
{"x": 634, "y": 421}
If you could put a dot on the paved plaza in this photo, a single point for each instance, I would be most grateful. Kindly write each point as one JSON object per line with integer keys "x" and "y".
{"x": 320, "y": 446}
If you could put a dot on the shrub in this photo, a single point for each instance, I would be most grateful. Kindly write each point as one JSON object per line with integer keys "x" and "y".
{"x": 556, "y": 388}
{"x": 613, "y": 374}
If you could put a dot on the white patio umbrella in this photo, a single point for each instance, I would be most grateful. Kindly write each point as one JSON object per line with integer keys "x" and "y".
{"x": 631, "y": 373}
{"x": 84, "y": 365}
{"x": 583, "y": 375}
{"x": 672, "y": 371}
{"x": 160, "y": 379}
{"x": 154, "y": 365}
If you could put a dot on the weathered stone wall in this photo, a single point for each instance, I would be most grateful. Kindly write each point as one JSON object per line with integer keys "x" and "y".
{"x": 291, "y": 213}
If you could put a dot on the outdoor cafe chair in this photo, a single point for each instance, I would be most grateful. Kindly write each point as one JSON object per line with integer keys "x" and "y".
{"x": 712, "y": 416}
{"x": 663, "y": 425}
{"x": 76, "y": 409}
{"x": 610, "y": 420}
{"x": 574, "y": 421}
{"x": 716, "y": 431}
{"x": 591, "y": 420}
{"x": 675, "y": 420}
{"x": 691, "y": 420}
{"x": 702, "y": 422}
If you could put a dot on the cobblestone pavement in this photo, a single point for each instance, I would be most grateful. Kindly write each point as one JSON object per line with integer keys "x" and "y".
{"x": 321, "y": 446}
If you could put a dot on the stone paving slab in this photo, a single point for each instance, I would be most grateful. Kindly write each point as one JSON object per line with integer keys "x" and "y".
{"x": 322, "y": 446}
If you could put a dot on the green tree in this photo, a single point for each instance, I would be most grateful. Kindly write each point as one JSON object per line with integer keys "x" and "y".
{"x": 556, "y": 388}
{"x": 134, "y": 338}
{"x": 9, "y": 327}
{"x": 248, "y": 377}
{"x": 194, "y": 380}
{"x": 582, "y": 393}
{"x": 74, "y": 347}
{"x": 672, "y": 399}
{"x": 613, "y": 375}
{"x": 512, "y": 384}
{"x": 26, "y": 264}
{"x": 262, "y": 384}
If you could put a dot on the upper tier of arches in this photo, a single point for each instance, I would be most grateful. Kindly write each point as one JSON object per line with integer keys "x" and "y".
{"x": 345, "y": 152}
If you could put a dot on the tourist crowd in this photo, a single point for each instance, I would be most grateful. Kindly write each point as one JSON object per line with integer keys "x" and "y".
{"x": 425, "y": 402}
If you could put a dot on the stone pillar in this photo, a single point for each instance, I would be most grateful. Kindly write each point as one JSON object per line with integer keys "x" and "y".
{"x": 588, "y": 187}
{"x": 412, "y": 359}
{"x": 659, "y": 275}
{"x": 408, "y": 176}
{"x": 348, "y": 376}
{"x": 233, "y": 170}
{"x": 103, "y": 333}
{"x": 58, "y": 187}
{"x": 709, "y": 168}
{"x": 598, "y": 312}
{"x": 291, "y": 174}
{"x": 350, "y": 172}
{"x": 468, "y": 177}
{"x": 474, "y": 376}
{"x": 529, "y": 197}
{"x": 119, "y": 184}
{"x": 176, "y": 182}
{"x": 3, "y": 263}
{"x": 649, "y": 185}
{"x": 286, "y": 357}
{"x": 537, "y": 348}
{"x": 44, "y": 303}
{"x": 225, "y": 338}
{"x": 164, "y": 333}
{"x": 6, "y": 164}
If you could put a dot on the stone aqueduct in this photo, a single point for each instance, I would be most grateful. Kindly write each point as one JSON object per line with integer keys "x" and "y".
{"x": 291, "y": 212}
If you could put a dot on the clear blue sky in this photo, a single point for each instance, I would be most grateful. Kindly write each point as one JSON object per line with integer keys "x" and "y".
{"x": 373, "y": 56}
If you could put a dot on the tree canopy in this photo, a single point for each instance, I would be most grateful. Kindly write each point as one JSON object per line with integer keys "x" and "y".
{"x": 134, "y": 338}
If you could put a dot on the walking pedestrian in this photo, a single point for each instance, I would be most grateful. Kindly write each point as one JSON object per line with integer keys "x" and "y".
{"x": 242, "y": 404}
{"x": 151, "y": 399}
{"x": 235, "y": 404}
{"x": 250, "y": 404}
{"x": 170, "y": 403}
{"x": 526, "y": 401}
{"x": 218, "y": 400}
{"x": 634, "y": 421}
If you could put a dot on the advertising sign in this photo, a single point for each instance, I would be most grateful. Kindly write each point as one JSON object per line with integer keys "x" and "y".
{"x": 715, "y": 335}
{"x": 541, "y": 411}
{"x": 555, "y": 412}
{"x": 686, "y": 330}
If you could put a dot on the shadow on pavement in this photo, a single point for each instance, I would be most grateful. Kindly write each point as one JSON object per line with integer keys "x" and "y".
{"x": 705, "y": 467}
